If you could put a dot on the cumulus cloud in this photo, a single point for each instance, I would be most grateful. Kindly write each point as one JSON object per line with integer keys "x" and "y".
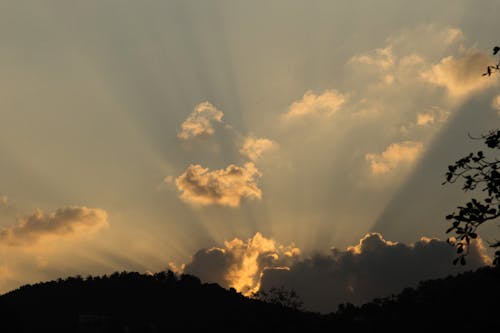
{"x": 254, "y": 148}
{"x": 327, "y": 103}
{"x": 396, "y": 154}
{"x": 63, "y": 222}
{"x": 461, "y": 75}
{"x": 239, "y": 264}
{"x": 200, "y": 121}
{"x": 225, "y": 187}
{"x": 373, "y": 268}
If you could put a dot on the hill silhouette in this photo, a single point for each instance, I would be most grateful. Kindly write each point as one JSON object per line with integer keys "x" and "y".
{"x": 133, "y": 302}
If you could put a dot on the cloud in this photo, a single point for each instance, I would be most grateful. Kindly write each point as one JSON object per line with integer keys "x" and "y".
{"x": 254, "y": 148}
{"x": 5, "y": 275}
{"x": 452, "y": 35}
{"x": 63, "y": 222}
{"x": 225, "y": 187}
{"x": 396, "y": 154}
{"x": 496, "y": 104}
{"x": 461, "y": 75}
{"x": 433, "y": 116}
{"x": 425, "y": 119}
{"x": 382, "y": 58}
{"x": 373, "y": 268}
{"x": 327, "y": 103}
{"x": 239, "y": 264}
{"x": 199, "y": 122}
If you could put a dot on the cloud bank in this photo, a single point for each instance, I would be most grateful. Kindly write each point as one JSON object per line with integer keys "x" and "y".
{"x": 200, "y": 121}
{"x": 224, "y": 187}
{"x": 61, "y": 223}
{"x": 374, "y": 267}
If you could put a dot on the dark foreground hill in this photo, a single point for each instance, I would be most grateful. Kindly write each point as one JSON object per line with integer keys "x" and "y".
{"x": 131, "y": 302}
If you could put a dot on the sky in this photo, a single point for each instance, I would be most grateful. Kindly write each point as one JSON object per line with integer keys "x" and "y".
{"x": 251, "y": 143}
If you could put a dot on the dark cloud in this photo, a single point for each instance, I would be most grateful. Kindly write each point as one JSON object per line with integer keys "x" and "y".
{"x": 373, "y": 268}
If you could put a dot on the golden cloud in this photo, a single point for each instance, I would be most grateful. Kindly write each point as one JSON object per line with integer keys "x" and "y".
{"x": 63, "y": 222}
{"x": 461, "y": 75}
{"x": 199, "y": 122}
{"x": 225, "y": 187}
{"x": 327, "y": 103}
{"x": 254, "y": 148}
{"x": 396, "y": 154}
{"x": 240, "y": 264}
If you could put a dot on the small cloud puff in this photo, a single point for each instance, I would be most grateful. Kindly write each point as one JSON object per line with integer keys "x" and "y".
{"x": 225, "y": 187}
{"x": 396, "y": 154}
{"x": 433, "y": 116}
{"x": 63, "y": 222}
{"x": 199, "y": 122}
{"x": 425, "y": 119}
{"x": 254, "y": 148}
{"x": 327, "y": 103}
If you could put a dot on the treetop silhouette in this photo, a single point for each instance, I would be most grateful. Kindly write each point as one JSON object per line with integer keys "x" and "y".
{"x": 479, "y": 172}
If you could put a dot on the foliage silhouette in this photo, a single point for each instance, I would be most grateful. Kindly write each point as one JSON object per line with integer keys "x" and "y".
{"x": 493, "y": 68}
{"x": 163, "y": 302}
{"x": 282, "y": 296}
{"x": 478, "y": 172}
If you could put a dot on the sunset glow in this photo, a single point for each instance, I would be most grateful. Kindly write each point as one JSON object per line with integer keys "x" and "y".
{"x": 251, "y": 144}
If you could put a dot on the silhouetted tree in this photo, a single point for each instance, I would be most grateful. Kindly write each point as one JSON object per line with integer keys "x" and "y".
{"x": 481, "y": 172}
{"x": 280, "y": 296}
{"x": 478, "y": 172}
